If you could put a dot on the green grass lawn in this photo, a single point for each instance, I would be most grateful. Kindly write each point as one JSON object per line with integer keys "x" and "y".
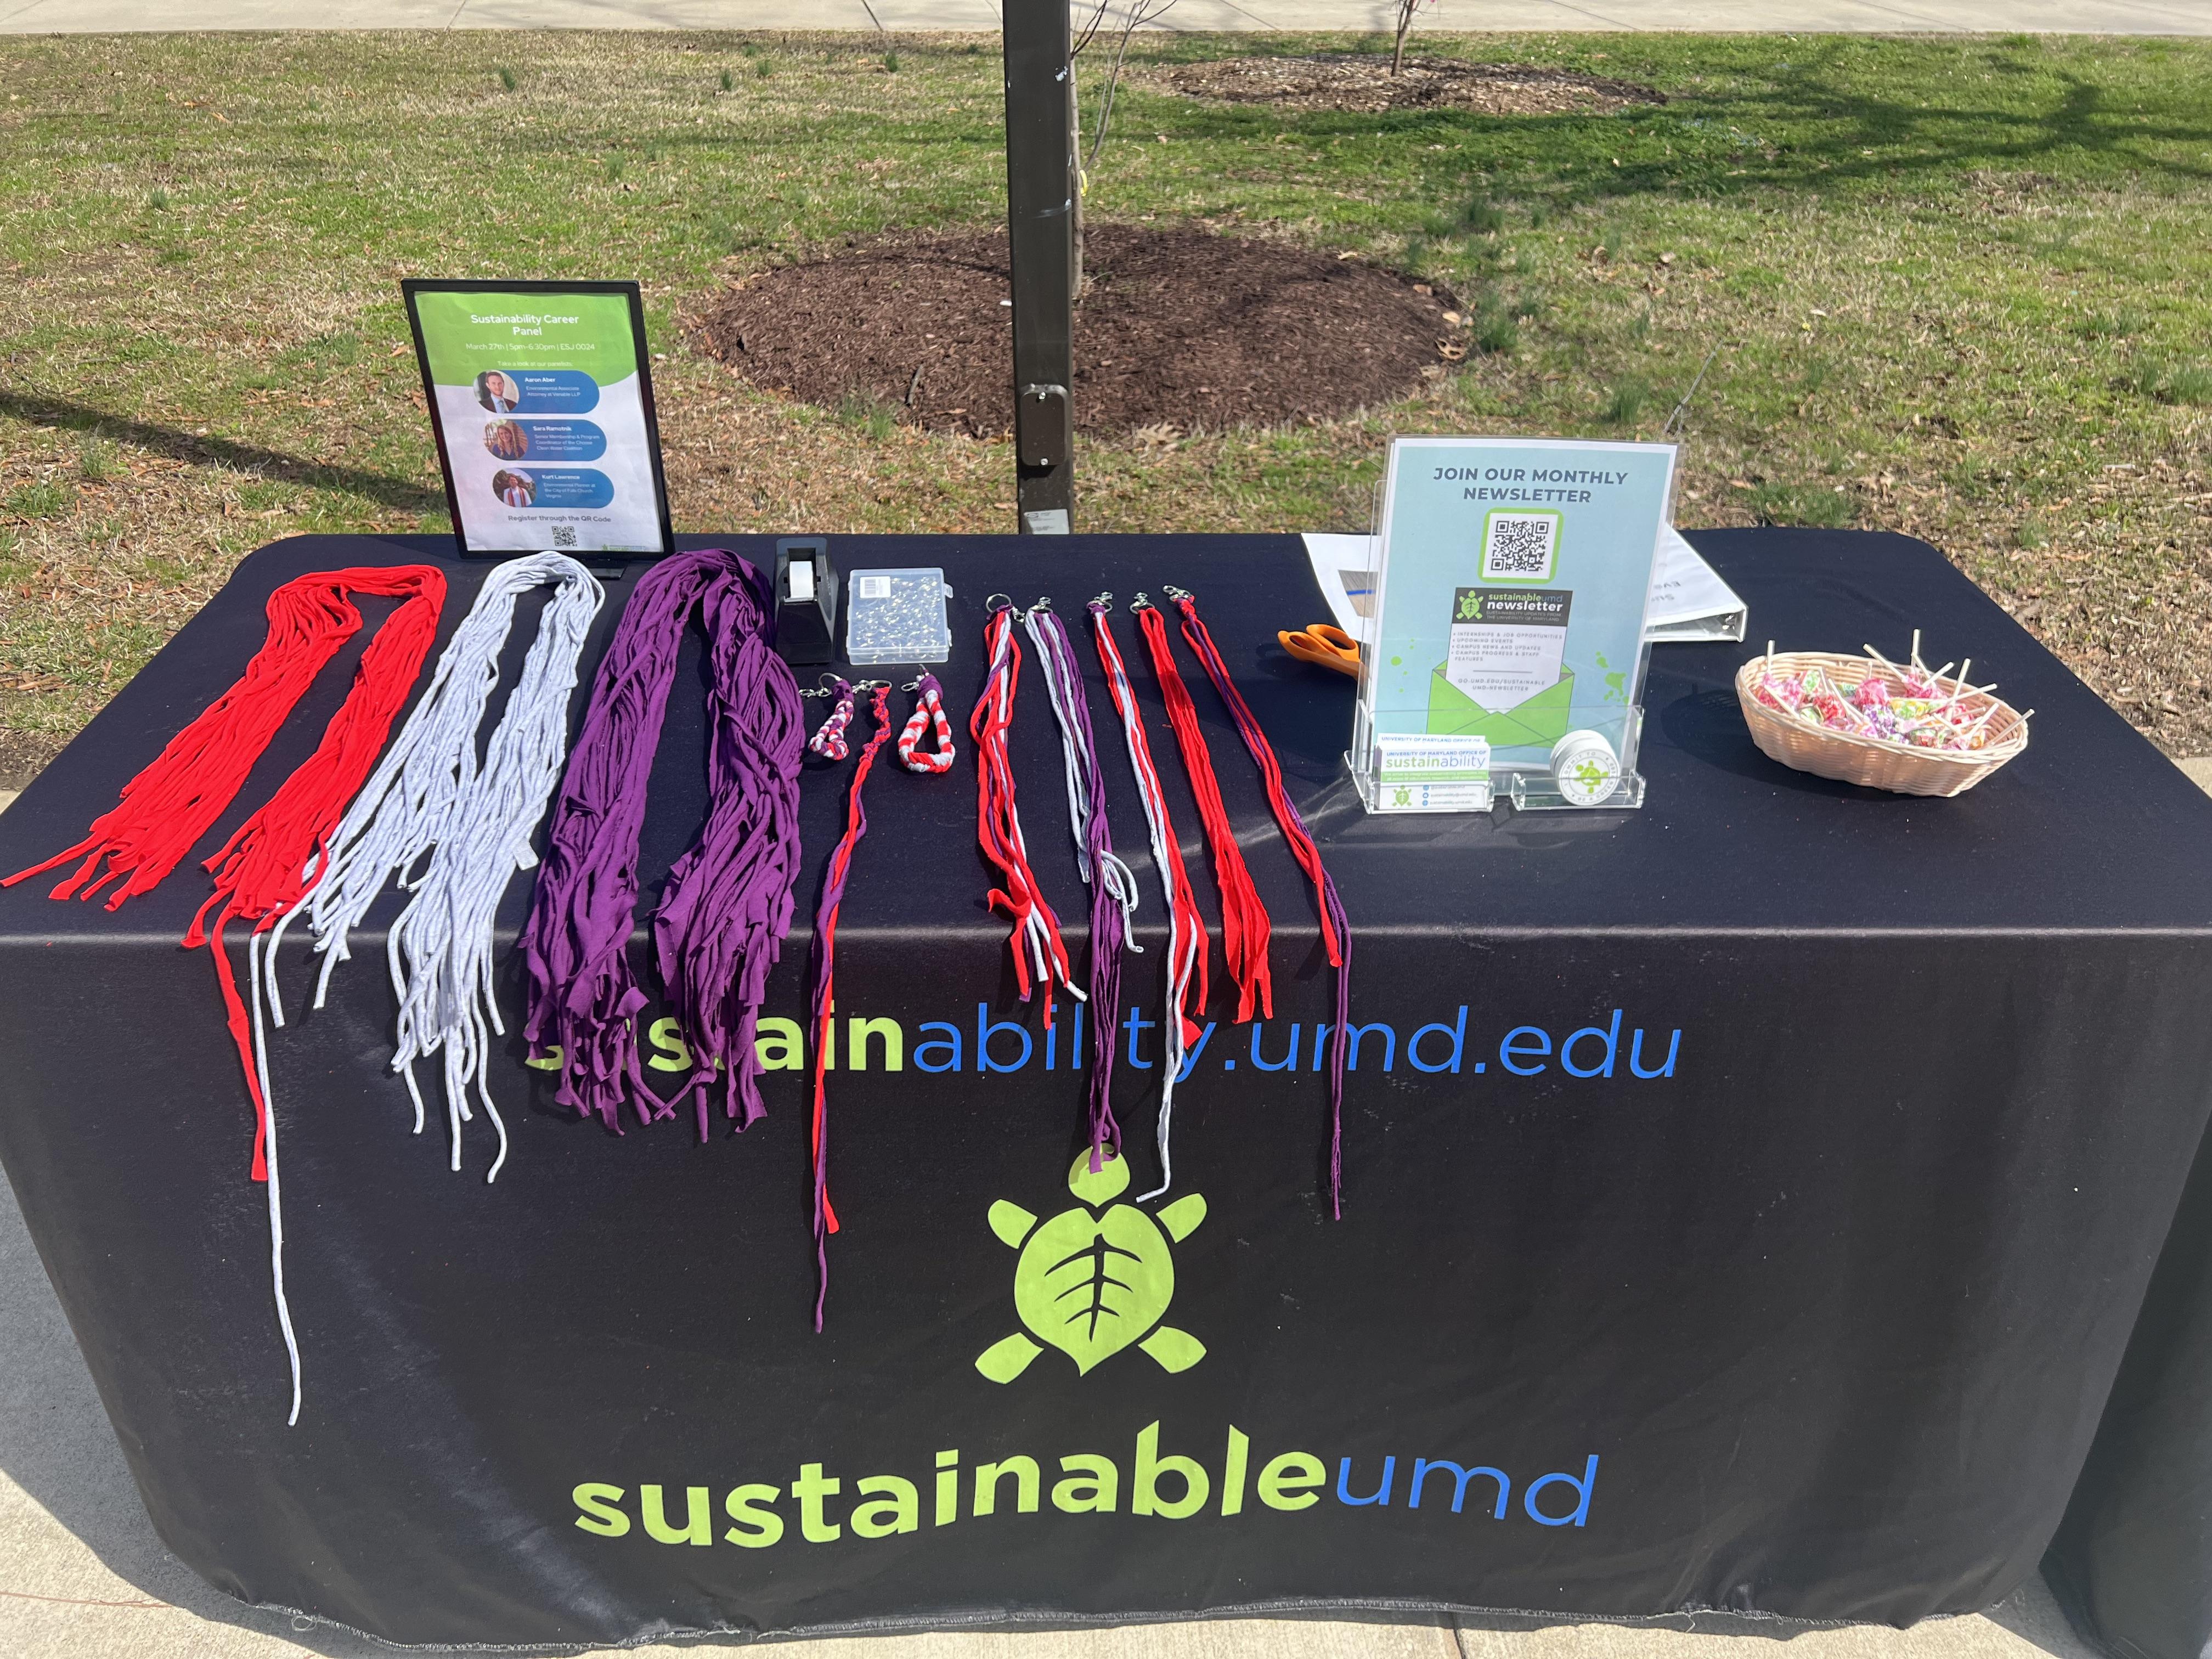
{"x": 1960, "y": 287}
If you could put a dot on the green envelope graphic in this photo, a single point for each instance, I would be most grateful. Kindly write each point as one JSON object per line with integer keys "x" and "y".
{"x": 1538, "y": 722}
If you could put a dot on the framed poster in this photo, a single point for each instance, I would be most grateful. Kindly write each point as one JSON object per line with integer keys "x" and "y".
{"x": 541, "y": 400}
{"x": 1514, "y": 576}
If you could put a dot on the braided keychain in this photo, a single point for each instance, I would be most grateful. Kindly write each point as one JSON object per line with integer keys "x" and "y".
{"x": 1186, "y": 943}
{"x": 1244, "y": 929}
{"x": 1335, "y": 933}
{"x": 275, "y": 854}
{"x": 1112, "y": 889}
{"x": 825, "y": 976}
{"x": 928, "y": 707}
{"x": 829, "y": 741}
{"x": 428, "y": 796}
{"x": 1039, "y": 955}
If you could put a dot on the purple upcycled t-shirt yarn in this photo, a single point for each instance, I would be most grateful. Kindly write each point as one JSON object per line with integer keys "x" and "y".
{"x": 726, "y": 905}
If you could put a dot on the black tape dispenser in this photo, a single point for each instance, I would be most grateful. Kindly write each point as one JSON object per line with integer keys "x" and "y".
{"x": 806, "y": 601}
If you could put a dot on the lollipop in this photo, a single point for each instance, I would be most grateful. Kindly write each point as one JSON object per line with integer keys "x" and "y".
{"x": 1925, "y": 709}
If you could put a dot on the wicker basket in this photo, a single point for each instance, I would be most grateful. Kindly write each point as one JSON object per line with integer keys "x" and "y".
{"x": 1877, "y": 763}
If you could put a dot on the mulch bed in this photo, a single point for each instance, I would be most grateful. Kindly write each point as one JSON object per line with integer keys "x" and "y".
{"x": 1362, "y": 81}
{"x": 1177, "y": 328}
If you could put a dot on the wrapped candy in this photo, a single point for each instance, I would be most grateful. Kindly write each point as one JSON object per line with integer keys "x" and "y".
{"x": 1820, "y": 708}
{"x": 1910, "y": 703}
{"x": 1779, "y": 691}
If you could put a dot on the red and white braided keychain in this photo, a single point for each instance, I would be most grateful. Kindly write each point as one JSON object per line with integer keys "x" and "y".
{"x": 928, "y": 709}
{"x": 830, "y": 741}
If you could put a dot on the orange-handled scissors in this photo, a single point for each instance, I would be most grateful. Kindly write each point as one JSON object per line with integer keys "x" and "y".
{"x": 1321, "y": 642}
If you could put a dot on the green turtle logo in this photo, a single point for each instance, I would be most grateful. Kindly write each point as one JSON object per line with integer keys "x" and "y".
{"x": 1470, "y": 607}
{"x": 1094, "y": 1278}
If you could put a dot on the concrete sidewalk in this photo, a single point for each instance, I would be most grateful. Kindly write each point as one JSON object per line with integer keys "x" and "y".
{"x": 1785, "y": 16}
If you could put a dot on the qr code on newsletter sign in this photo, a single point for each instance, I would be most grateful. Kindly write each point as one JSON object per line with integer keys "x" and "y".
{"x": 1520, "y": 546}
{"x": 564, "y": 535}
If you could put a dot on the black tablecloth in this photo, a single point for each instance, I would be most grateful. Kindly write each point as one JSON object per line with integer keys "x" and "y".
{"x": 2132, "y": 1563}
{"x": 1805, "y": 1299}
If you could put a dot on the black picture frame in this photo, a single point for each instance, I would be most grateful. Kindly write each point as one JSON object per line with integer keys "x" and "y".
{"x": 412, "y": 286}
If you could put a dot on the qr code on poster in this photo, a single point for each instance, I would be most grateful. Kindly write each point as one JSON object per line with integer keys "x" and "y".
{"x": 564, "y": 535}
{"x": 1519, "y": 546}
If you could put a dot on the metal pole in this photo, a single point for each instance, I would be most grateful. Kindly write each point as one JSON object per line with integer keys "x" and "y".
{"x": 1041, "y": 228}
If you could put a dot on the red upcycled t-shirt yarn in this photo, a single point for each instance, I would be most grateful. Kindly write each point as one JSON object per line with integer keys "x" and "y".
{"x": 1244, "y": 927}
{"x": 1040, "y": 956}
{"x": 824, "y": 976}
{"x": 272, "y": 859}
{"x": 1335, "y": 932}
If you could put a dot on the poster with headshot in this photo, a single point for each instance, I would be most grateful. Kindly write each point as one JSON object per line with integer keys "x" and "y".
{"x": 541, "y": 399}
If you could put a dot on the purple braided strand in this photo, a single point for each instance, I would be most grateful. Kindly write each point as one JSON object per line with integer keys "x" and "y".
{"x": 1112, "y": 889}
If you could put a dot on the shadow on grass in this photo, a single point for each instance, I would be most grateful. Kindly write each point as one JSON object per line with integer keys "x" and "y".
{"x": 179, "y": 445}
{"x": 1810, "y": 126}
